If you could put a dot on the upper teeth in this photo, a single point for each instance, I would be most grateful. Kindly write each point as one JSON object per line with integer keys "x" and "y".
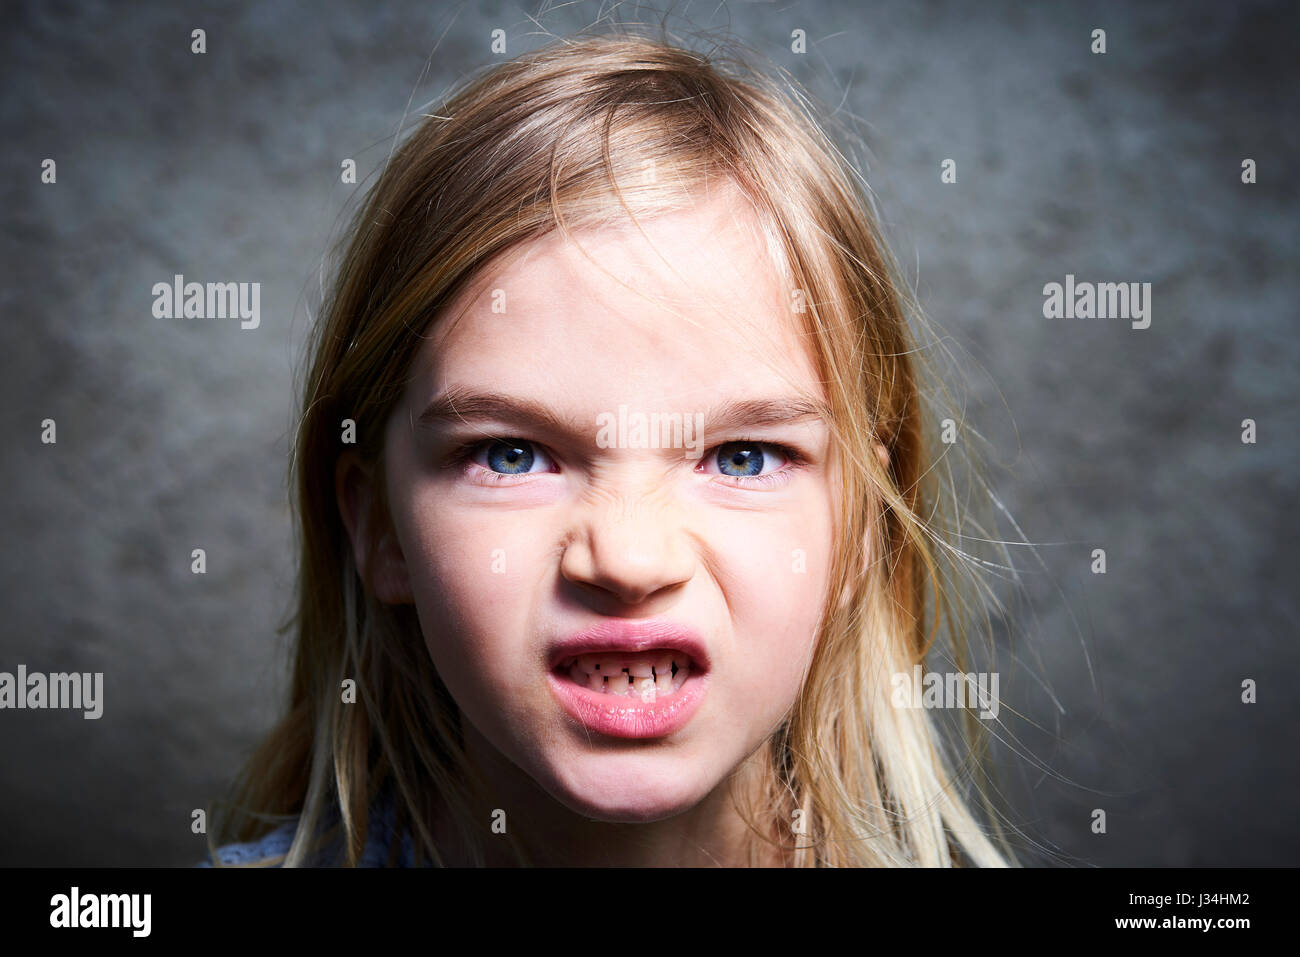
{"x": 646, "y": 675}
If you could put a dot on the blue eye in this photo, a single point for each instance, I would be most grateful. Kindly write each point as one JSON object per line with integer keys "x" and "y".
{"x": 510, "y": 457}
{"x": 746, "y": 458}
{"x": 494, "y": 461}
{"x": 741, "y": 462}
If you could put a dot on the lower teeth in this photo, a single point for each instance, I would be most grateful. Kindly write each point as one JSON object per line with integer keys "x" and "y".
{"x": 660, "y": 683}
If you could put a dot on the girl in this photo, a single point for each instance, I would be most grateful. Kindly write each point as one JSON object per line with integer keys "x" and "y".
{"x": 614, "y": 500}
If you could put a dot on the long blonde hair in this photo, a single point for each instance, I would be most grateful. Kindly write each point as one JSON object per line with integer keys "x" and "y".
{"x": 538, "y": 143}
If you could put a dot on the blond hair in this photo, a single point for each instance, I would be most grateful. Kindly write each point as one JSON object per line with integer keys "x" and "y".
{"x": 541, "y": 142}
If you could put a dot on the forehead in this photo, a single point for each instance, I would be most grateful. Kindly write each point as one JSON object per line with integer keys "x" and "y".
{"x": 690, "y": 305}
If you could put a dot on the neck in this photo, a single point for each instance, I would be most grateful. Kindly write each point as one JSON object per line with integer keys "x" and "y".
{"x": 713, "y": 833}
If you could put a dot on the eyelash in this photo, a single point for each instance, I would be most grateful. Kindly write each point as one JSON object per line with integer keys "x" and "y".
{"x": 795, "y": 460}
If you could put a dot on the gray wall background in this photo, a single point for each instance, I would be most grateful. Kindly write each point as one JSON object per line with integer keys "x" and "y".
{"x": 225, "y": 166}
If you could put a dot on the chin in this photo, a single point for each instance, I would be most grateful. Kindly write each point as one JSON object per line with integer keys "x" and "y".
{"x": 626, "y": 791}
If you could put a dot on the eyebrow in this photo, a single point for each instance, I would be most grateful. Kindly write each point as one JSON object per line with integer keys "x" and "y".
{"x": 463, "y": 405}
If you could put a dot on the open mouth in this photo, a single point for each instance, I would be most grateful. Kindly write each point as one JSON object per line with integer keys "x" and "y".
{"x": 646, "y": 676}
{"x": 631, "y": 679}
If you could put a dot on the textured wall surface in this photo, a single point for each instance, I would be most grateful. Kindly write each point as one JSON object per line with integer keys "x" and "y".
{"x": 1123, "y": 167}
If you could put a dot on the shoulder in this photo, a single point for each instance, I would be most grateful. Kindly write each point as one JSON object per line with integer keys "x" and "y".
{"x": 270, "y": 849}
{"x": 265, "y": 849}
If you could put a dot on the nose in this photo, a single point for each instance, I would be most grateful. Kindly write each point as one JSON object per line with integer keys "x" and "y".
{"x": 627, "y": 552}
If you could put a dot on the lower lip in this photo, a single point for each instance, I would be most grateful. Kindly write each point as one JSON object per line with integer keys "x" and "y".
{"x": 627, "y": 716}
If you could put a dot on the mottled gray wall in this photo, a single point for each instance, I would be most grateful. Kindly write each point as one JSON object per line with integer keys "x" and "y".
{"x": 224, "y": 166}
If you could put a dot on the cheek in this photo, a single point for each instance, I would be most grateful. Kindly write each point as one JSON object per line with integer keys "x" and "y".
{"x": 468, "y": 560}
{"x": 467, "y": 574}
{"x": 774, "y": 585}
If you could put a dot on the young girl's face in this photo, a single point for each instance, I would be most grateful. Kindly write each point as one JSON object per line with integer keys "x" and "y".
{"x": 700, "y": 566}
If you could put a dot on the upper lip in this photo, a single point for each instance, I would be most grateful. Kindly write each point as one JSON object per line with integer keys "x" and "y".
{"x": 614, "y": 635}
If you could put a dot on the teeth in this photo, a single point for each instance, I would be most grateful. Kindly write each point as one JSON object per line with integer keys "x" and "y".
{"x": 631, "y": 675}
{"x": 664, "y": 675}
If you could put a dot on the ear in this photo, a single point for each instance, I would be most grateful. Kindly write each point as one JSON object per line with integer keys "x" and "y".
{"x": 375, "y": 549}
{"x": 882, "y": 453}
